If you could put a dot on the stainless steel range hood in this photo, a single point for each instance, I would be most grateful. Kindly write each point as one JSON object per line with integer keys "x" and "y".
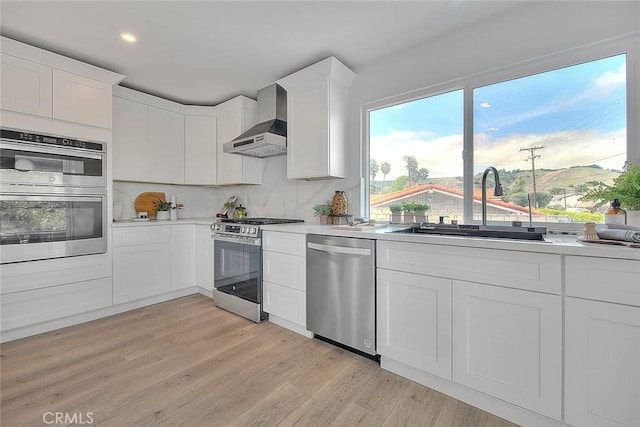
{"x": 269, "y": 137}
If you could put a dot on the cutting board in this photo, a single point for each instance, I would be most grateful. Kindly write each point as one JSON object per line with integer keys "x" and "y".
{"x": 145, "y": 202}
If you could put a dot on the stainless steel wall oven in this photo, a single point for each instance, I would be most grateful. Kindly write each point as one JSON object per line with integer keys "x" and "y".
{"x": 53, "y": 197}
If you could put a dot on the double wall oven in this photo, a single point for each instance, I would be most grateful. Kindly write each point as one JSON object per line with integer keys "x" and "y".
{"x": 237, "y": 253}
{"x": 53, "y": 196}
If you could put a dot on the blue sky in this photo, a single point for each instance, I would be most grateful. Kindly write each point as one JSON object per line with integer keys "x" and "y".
{"x": 577, "y": 113}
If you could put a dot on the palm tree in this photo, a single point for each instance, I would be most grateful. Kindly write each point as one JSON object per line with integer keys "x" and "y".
{"x": 385, "y": 168}
{"x": 412, "y": 167}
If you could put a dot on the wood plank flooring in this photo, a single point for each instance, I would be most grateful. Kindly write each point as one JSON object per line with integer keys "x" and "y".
{"x": 188, "y": 363}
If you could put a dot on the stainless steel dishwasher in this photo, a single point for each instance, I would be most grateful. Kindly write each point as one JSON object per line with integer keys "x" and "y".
{"x": 341, "y": 292}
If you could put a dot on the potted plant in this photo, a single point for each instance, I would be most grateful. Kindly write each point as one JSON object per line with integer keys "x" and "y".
{"x": 162, "y": 209}
{"x": 396, "y": 213}
{"x": 420, "y": 212}
{"x": 625, "y": 188}
{"x": 322, "y": 210}
{"x": 230, "y": 206}
{"x": 409, "y": 209}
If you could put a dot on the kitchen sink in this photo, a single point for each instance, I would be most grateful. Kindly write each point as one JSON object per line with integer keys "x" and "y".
{"x": 491, "y": 231}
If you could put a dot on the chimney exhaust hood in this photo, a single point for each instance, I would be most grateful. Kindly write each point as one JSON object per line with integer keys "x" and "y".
{"x": 269, "y": 137}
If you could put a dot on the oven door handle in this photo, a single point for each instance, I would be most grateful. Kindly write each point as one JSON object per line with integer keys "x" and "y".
{"x": 252, "y": 242}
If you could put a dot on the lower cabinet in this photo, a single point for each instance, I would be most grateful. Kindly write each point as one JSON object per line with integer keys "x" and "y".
{"x": 414, "y": 320}
{"x": 284, "y": 278}
{"x": 602, "y": 363}
{"x": 183, "y": 256}
{"x": 204, "y": 257}
{"x": 141, "y": 262}
{"x": 508, "y": 343}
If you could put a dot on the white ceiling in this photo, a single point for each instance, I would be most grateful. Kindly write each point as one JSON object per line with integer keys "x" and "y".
{"x": 205, "y": 52}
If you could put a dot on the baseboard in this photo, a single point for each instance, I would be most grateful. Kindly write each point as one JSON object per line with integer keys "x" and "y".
{"x": 205, "y": 292}
{"x": 39, "y": 328}
{"x": 497, "y": 407}
{"x": 294, "y": 327}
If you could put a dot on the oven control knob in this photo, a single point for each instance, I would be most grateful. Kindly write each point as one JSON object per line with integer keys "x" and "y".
{"x": 253, "y": 230}
{"x": 243, "y": 230}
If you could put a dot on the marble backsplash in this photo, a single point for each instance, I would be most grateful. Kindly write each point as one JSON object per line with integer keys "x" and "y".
{"x": 277, "y": 197}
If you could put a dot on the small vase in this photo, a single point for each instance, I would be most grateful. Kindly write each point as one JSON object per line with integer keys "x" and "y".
{"x": 324, "y": 219}
{"x": 162, "y": 215}
{"x": 339, "y": 203}
{"x": 174, "y": 214}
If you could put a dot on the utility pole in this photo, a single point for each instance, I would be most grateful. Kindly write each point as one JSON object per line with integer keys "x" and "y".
{"x": 533, "y": 158}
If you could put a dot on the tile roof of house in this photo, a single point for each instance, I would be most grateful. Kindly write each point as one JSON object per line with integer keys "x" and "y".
{"x": 380, "y": 199}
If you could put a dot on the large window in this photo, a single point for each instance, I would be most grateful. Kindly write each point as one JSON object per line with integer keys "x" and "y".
{"x": 552, "y": 136}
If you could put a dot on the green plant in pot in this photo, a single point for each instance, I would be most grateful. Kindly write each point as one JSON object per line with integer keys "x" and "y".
{"x": 162, "y": 209}
{"x": 396, "y": 213}
{"x": 420, "y": 212}
{"x": 322, "y": 211}
{"x": 625, "y": 188}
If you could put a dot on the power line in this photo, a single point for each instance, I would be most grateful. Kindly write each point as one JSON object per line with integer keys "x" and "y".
{"x": 533, "y": 158}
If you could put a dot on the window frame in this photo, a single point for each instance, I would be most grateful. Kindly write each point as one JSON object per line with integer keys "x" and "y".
{"x": 626, "y": 45}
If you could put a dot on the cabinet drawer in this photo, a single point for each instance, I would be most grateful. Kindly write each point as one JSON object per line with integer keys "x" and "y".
{"x": 522, "y": 270}
{"x": 24, "y": 276}
{"x": 287, "y": 303}
{"x": 285, "y": 270}
{"x": 143, "y": 235}
{"x": 286, "y": 243}
{"x": 605, "y": 279}
{"x": 26, "y": 308}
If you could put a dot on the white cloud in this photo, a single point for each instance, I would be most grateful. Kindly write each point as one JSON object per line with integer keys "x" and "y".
{"x": 610, "y": 79}
{"x": 443, "y": 156}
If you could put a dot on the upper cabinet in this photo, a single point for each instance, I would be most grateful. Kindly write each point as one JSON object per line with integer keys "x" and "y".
{"x": 81, "y": 100}
{"x": 41, "y": 83}
{"x": 148, "y": 140}
{"x": 200, "y": 148}
{"x": 317, "y": 117}
{"x": 233, "y": 118}
{"x": 26, "y": 86}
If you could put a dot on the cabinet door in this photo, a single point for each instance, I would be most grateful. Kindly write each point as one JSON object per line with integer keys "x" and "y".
{"x": 508, "y": 344}
{"x": 289, "y": 304}
{"x": 200, "y": 150}
{"x": 602, "y": 364}
{"x": 414, "y": 320}
{"x": 141, "y": 271}
{"x": 285, "y": 270}
{"x": 166, "y": 134}
{"x": 308, "y": 130}
{"x": 204, "y": 257}
{"x": 81, "y": 100}
{"x": 25, "y": 86}
{"x": 183, "y": 256}
{"x": 131, "y": 149}
{"x": 233, "y": 168}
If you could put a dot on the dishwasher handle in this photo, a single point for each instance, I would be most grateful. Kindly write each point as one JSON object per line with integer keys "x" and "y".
{"x": 343, "y": 250}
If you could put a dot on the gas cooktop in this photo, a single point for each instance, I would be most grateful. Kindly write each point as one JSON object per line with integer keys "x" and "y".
{"x": 261, "y": 221}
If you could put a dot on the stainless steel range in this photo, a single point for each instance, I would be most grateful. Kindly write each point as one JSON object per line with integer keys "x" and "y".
{"x": 237, "y": 257}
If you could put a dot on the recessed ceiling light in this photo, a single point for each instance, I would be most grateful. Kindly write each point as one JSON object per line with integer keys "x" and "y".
{"x": 128, "y": 37}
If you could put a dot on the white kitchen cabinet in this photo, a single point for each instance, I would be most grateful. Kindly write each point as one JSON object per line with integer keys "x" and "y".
{"x": 233, "y": 118}
{"x": 166, "y": 134}
{"x": 317, "y": 115}
{"x": 34, "y": 306}
{"x": 602, "y": 364}
{"x": 183, "y": 256}
{"x": 284, "y": 279}
{"x": 414, "y": 320}
{"x": 81, "y": 100}
{"x": 508, "y": 343}
{"x": 141, "y": 262}
{"x": 26, "y": 86}
{"x": 200, "y": 150}
{"x": 131, "y": 144}
{"x": 148, "y": 138}
{"x": 204, "y": 257}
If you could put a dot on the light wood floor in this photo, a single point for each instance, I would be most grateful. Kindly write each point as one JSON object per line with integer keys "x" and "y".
{"x": 187, "y": 363}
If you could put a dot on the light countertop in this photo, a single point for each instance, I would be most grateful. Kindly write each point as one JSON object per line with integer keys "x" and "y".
{"x": 553, "y": 244}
